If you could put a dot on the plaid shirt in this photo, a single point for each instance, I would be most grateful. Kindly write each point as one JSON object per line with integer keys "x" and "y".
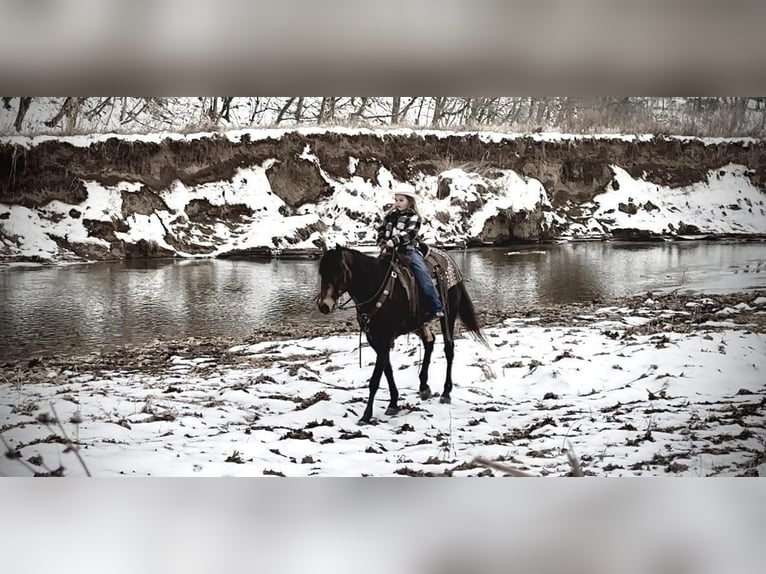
{"x": 401, "y": 227}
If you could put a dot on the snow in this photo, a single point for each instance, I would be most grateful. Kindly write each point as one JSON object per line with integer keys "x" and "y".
{"x": 256, "y": 134}
{"x": 708, "y": 202}
{"x": 628, "y": 405}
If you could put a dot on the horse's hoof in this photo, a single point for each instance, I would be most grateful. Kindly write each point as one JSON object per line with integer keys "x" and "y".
{"x": 425, "y": 394}
{"x": 445, "y": 400}
{"x": 364, "y": 422}
{"x": 392, "y": 411}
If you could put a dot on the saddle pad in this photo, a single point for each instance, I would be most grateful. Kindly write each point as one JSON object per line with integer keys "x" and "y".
{"x": 449, "y": 270}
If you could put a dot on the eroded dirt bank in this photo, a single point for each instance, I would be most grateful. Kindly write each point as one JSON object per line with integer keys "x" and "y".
{"x": 308, "y": 168}
{"x": 568, "y": 169}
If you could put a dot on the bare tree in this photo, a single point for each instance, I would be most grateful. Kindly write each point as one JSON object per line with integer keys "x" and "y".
{"x": 326, "y": 110}
{"x": 98, "y": 108}
{"x": 401, "y": 112}
{"x": 69, "y": 109}
{"x": 439, "y": 105}
{"x": 284, "y": 109}
{"x": 359, "y": 110}
{"x": 719, "y": 116}
{"x": 396, "y": 105}
{"x": 24, "y": 104}
{"x": 226, "y": 108}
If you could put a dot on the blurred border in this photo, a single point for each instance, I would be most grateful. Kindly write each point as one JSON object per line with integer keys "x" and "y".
{"x": 174, "y": 47}
{"x": 422, "y": 526}
{"x": 486, "y": 47}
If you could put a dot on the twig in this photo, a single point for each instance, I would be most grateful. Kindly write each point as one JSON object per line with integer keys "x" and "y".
{"x": 501, "y": 467}
{"x": 9, "y": 454}
{"x": 69, "y": 442}
{"x": 571, "y": 456}
{"x": 574, "y": 461}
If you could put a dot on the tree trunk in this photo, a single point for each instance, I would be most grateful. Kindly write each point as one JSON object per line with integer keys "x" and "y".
{"x": 420, "y": 111}
{"x": 438, "y": 111}
{"x": 395, "y": 107}
{"x": 359, "y": 110}
{"x": 474, "y": 106}
{"x": 63, "y": 110}
{"x": 405, "y": 111}
{"x": 226, "y": 108}
{"x": 254, "y": 103}
{"x": 24, "y": 104}
{"x": 284, "y": 109}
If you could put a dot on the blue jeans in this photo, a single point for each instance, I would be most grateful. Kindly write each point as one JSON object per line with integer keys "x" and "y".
{"x": 420, "y": 270}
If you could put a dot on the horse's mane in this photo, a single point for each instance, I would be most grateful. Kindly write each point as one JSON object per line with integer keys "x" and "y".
{"x": 333, "y": 259}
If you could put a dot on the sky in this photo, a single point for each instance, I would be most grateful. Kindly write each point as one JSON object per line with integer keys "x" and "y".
{"x": 26, "y": 232}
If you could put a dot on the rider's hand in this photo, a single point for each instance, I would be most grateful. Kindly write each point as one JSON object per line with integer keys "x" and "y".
{"x": 390, "y": 244}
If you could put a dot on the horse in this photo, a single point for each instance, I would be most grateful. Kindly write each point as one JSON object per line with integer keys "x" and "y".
{"x": 384, "y": 312}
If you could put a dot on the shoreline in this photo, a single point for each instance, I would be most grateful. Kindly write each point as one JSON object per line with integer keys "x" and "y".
{"x": 268, "y": 254}
{"x": 687, "y": 312}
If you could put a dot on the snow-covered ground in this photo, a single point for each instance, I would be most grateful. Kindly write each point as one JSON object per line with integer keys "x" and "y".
{"x": 666, "y": 401}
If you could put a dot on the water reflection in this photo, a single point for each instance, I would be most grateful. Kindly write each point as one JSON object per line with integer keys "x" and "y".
{"x": 111, "y": 304}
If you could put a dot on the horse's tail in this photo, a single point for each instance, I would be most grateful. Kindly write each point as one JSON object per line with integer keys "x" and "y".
{"x": 467, "y": 314}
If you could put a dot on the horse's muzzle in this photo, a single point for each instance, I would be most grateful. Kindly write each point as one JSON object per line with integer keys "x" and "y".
{"x": 323, "y": 307}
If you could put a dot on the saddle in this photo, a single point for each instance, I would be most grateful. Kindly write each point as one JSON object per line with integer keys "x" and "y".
{"x": 442, "y": 268}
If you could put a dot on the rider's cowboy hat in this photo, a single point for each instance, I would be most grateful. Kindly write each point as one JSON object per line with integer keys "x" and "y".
{"x": 401, "y": 190}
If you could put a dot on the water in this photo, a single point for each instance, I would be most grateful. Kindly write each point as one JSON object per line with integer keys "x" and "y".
{"x": 84, "y": 307}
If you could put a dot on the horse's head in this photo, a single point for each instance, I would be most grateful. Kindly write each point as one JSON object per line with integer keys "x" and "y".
{"x": 335, "y": 276}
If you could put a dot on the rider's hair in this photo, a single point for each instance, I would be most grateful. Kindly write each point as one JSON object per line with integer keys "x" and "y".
{"x": 411, "y": 203}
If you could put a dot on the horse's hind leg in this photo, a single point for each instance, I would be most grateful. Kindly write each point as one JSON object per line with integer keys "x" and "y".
{"x": 428, "y": 349}
{"x": 449, "y": 353}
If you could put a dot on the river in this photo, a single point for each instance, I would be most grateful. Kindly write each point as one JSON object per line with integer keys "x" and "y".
{"x": 75, "y": 308}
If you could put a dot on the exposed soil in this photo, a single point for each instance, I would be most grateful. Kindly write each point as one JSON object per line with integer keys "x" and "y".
{"x": 576, "y": 170}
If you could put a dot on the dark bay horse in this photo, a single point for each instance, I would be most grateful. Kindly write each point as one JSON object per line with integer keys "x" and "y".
{"x": 385, "y": 317}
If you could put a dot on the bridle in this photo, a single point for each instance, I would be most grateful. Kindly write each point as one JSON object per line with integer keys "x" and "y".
{"x": 383, "y": 292}
{"x": 390, "y": 274}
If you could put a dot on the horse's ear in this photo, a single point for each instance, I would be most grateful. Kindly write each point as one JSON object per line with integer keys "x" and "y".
{"x": 345, "y": 266}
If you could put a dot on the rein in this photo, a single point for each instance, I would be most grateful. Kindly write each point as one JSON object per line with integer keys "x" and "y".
{"x": 364, "y": 318}
{"x": 390, "y": 274}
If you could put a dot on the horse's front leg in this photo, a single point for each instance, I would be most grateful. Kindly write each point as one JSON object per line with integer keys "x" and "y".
{"x": 393, "y": 392}
{"x": 382, "y": 365}
{"x": 373, "y": 386}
